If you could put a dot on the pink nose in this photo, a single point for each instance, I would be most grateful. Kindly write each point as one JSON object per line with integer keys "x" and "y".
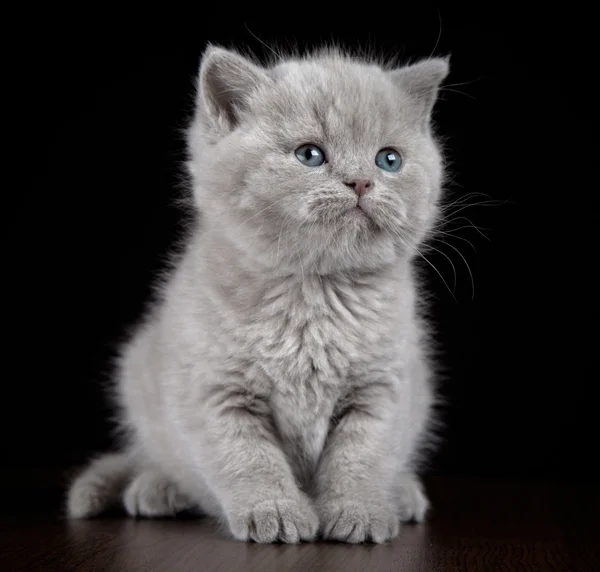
{"x": 360, "y": 186}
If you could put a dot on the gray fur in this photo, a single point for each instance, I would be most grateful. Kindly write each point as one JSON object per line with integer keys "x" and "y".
{"x": 282, "y": 383}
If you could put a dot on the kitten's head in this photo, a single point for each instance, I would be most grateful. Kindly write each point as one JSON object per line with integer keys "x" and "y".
{"x": 322, "y": 162}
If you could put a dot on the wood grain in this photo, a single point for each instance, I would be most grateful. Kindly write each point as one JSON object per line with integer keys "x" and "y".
{"x": 476, "y": 525}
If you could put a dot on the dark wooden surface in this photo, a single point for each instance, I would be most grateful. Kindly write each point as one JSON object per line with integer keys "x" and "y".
{"x": 475, "y": 525}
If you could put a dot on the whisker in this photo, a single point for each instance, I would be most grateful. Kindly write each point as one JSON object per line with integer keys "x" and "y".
{"x": 451, "y": 264}
{"x": 454, "y": 236}
{"x": 403, "y": 239}
{"x": 447, "y": 210}
{"x": 464, "y": 82}
{"x": 462, "y": 198}
{"x": 468, "y": 268}
{"x": 470, "y": 225}
{"x": 480, "y": 204}
{"x": 438, "y": 272}
{"x": 444, "y": 89}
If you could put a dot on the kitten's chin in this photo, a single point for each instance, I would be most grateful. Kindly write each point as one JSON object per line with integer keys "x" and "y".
{"x": 357, "y": 211}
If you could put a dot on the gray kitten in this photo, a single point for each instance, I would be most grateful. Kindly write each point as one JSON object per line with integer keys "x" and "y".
{"x": 282, "y": 383}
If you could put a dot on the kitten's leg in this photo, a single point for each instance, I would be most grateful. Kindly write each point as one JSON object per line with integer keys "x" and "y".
{"x": 411, "y": 500}
{"x": 99, "y": 486}
{"x": 354, "y": 480}
{"x": 248, "y": 472}
{"x": 151, "y": 494}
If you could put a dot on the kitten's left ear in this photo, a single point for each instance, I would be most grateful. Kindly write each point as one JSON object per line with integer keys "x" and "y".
{"x": 421, "y": 81}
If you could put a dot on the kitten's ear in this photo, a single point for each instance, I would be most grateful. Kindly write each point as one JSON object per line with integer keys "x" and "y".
{"x": 421, "y": 81}
{"x": 227, "y": 79}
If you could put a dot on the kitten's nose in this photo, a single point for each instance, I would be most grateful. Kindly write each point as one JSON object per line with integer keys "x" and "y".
{"x": 360, "y": 186}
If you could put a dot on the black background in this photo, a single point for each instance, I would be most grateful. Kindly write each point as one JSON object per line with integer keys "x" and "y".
{"x": 89, "y": 217}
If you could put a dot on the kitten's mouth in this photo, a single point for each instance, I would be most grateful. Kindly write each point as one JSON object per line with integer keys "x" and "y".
{"x": 357, "y": 211}
{"x": 362, "y": 217}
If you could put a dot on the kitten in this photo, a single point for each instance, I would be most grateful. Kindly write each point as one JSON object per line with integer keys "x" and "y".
{"x": 283, "y": 383}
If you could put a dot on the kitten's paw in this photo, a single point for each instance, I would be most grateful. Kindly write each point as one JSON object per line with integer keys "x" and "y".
{"x": 411, "y": 500}
{"x": 150, "y": 494}
{"x": 88, "y": 498}
{"x": 98, "y": 486}
{"x": 284, "y": 520}
{"x": 354, "y": 522}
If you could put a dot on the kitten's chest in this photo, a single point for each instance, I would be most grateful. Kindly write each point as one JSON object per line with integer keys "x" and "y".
{"x": 303, "y": 421}
{"x": 306, "y": 341}
{"x": 307, "y": 370}
{"x": 306, "y": 337}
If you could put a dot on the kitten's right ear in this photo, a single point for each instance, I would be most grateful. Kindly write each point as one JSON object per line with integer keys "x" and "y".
{"x": 226, "y": 82}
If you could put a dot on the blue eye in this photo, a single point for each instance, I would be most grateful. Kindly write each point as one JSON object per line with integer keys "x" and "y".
{"x": 389, "y": 160}
{"x": 310, "y": 155}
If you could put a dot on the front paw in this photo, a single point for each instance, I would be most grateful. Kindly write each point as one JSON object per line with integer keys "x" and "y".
{"x": 276, "y": 520}
{"x": 356, "y": 521}
{"x": 411, "y": 499}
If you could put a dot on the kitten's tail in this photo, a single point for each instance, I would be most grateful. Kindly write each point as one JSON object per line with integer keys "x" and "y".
{"x": 99, "y": 486}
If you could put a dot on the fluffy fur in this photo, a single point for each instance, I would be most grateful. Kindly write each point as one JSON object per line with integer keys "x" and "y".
{"x": 282, "y": 383}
